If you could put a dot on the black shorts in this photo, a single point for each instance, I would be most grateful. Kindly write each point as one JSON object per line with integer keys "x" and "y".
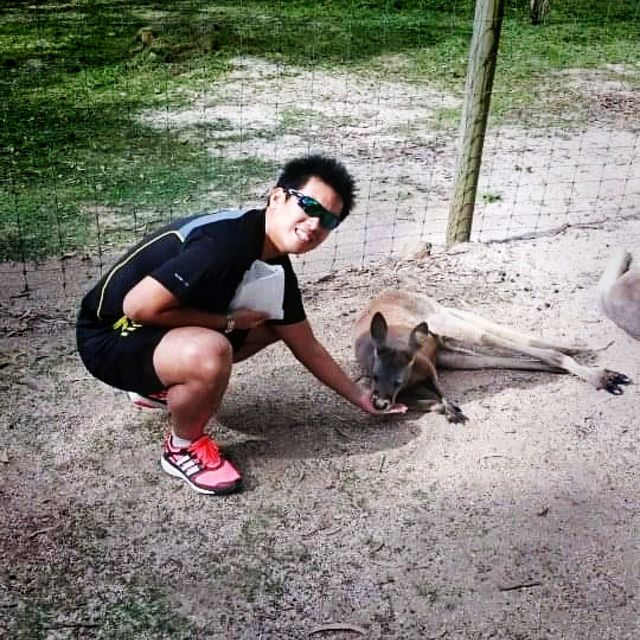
{"x": 122, "y": 355}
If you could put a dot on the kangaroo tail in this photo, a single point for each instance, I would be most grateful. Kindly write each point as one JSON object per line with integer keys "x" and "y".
{"x": 618, "y": 264}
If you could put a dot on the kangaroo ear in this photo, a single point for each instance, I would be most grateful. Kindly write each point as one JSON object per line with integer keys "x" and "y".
{"x": 378, "y": 328}
{"x": 418, "y": 336}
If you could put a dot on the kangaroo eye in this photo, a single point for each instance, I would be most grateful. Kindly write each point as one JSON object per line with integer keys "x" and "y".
{"x": 398, "y": 382}
{"x": 375, "y": 377}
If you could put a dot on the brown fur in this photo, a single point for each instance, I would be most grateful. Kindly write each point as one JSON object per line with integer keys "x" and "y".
{"x": 401, "y": 327}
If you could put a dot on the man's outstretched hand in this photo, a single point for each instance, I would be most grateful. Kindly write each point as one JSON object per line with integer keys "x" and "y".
{"x": 366, "y": 404}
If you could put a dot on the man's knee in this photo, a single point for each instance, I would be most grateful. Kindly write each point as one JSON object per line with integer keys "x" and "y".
{"x": 198, "y": 354}
{"x": 208, "y": 356}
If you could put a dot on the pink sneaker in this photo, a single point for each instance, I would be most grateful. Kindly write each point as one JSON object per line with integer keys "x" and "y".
{"x": 201, "y": 466}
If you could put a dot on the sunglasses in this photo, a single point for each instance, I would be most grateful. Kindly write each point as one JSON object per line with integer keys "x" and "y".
{"x": 313, "y": 208}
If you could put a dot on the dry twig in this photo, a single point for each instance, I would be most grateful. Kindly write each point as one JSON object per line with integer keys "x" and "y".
{"x": 39, "y": 532}
{"x": 522, "y": 585}
{"x": 338, "y": 627}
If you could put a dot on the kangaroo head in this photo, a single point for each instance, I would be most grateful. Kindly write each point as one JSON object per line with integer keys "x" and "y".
{"x": 392, "y": 361}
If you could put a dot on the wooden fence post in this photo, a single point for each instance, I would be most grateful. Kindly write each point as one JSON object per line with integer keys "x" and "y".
{"x": 480, "y": 71}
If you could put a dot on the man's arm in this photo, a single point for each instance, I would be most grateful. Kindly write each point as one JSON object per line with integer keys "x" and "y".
{"x": 305, "y": 347}
{"x": 151, "y": 303}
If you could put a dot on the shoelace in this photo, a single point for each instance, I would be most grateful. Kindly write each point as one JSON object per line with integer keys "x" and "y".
{"x": 206, "y": 451}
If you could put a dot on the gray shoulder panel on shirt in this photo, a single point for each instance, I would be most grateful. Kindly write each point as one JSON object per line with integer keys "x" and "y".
{"x": 216, "y": 216}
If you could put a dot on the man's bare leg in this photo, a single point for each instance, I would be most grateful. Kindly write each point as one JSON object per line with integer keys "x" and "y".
{"x": 195, "y": 364}
{"x": 256, "y": 340}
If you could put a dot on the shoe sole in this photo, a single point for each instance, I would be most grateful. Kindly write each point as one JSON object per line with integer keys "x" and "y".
{"x": 168, "y": 468}
{"x": 148, "y": 407}
{"x": 140, "y": 402}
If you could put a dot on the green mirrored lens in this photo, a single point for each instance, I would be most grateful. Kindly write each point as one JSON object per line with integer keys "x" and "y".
{"x": 329, "y": 221}
{"x": 314, "y": 209}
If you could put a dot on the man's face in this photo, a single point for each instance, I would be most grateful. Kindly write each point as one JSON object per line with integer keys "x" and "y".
{"x": 289, "y": 228}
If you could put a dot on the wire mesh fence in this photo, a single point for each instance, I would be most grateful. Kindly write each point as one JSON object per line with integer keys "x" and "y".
{"x": 118, "y": 117}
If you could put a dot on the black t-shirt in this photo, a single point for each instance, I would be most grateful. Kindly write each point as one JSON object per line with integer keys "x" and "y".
{"x": 201, "y": 260}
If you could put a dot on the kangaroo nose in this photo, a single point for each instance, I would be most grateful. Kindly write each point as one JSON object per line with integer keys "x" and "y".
{"x": 380, "y": 404}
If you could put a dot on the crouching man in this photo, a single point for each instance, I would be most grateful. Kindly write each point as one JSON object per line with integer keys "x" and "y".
{"x": 158, "y": 323}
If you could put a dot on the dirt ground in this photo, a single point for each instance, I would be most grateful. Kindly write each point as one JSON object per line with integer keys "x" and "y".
{"x": 523, "y": 523}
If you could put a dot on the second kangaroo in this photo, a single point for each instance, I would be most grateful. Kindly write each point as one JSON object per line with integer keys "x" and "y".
{"x": 402, "y": 338}
{"x": 619, "y": 293}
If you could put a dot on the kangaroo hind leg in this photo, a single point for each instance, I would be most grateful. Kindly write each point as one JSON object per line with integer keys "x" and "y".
{"x": 519, "y": 337}
{"x": 598, "y": 377}
{"x": 468, "y": 360}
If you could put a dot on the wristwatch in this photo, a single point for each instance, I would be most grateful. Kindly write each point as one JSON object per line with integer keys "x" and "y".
{"x": 231, "y": 323}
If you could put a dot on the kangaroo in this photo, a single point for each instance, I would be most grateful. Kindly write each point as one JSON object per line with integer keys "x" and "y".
{"x": 402, "y": 338}
{"x": 619, "y": 293}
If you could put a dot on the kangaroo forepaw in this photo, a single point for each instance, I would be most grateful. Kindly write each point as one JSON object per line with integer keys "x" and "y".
{"x": 611, "y": 381}
{"x": 453, "y": 413}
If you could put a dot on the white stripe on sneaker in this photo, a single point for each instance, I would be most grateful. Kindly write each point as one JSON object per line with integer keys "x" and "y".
{"x": 187, "y": 464}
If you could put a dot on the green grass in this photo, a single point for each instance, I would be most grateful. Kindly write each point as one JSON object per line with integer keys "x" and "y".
{"x": 127, "y": 611}
{"x": 74, "y": 77}
{"x": 577, "y": 35}
{"x": 87, "y": 587}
